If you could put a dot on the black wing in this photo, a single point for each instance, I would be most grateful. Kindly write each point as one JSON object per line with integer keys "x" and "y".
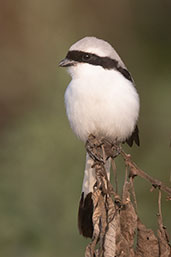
{"x": 134, "y": 137}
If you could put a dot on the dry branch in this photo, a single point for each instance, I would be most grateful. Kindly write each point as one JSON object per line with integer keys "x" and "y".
{"x": 136, "y": 171}
{"x": 115, "y": 220}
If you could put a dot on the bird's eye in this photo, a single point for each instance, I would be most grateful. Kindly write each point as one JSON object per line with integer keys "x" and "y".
{"x": 86, "y": 57}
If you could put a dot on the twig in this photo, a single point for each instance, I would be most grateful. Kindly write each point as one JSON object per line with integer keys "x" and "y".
{"x": 159, "y": 205}
{"x": 136, "y": 171}
{"x": 115, "y": 175}
{"x": 133, "y": 193}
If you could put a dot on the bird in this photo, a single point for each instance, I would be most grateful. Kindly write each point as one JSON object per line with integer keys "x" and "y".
{"x": 101, "y": 100}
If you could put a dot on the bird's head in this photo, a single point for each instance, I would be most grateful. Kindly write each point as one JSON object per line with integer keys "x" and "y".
{"x": 91, "y": 53}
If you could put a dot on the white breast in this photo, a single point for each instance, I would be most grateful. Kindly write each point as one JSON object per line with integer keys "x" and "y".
{"x": 101, "y": 102}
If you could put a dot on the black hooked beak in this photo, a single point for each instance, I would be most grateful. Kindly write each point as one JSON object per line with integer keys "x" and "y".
{"x": 66, "y": 63}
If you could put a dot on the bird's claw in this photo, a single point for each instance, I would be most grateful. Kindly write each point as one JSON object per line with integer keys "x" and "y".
{"x": 102, "y": 149}
{"x": 94, "y": 148}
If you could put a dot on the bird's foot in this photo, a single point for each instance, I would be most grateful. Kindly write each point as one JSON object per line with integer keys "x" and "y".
{"x": 111, "y": 149}
{"x": 102, "y": 149}
{"x": 94, "y": 148}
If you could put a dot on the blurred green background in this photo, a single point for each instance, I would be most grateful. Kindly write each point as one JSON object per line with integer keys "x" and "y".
{"x": 41, "y": 161}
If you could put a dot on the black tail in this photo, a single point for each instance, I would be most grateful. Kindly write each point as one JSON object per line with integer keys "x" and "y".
{"x": 85, "y": 213}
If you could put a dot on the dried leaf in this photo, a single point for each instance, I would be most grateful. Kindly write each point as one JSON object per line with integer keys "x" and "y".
{"x": 147, "y": 243}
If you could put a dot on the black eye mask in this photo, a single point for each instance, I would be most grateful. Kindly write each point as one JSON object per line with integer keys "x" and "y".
{"x": 105, "y": 62}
